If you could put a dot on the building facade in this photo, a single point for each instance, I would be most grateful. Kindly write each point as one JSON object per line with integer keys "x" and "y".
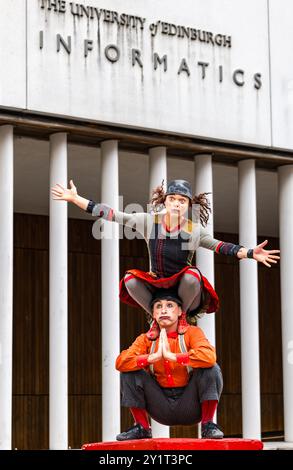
{"x": 117, "y": 96}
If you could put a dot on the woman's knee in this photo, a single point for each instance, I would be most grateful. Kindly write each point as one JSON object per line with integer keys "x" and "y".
{"x": 191, "y": 277}
{"x": 131, "y": 282}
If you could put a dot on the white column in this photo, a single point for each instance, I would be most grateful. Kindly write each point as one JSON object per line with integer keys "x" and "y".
{"x": 157, "y": 173}
{"x": 110, "y": 294}
{"x": 157, "y": 167}
{"x": 203, "y": 183}
{"x": 6, "y": 284}
{"x": 205, "y": 258}
{"x": 249, "y": 303}
{"x": 58, "y": 375}
{"x": 286, "y": 237}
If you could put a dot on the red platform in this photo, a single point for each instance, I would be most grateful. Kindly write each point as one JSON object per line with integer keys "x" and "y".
{"x": 177, "y": 444}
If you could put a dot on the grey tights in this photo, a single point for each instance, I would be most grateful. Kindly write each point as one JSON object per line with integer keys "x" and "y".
{"x": 189, "y": 290}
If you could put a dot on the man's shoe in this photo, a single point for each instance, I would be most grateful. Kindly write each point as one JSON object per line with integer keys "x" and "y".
{"x": 210, "y": 430}
{"x": 136, "y": 432}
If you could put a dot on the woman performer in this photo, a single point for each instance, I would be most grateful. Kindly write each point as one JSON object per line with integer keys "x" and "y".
{"x": 172, "y": 238}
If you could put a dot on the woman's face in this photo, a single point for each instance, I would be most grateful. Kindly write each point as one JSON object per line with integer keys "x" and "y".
{"x": 176, "y": 204}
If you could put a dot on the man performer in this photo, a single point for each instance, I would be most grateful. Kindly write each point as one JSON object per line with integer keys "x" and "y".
{"x": 174, "y": 378}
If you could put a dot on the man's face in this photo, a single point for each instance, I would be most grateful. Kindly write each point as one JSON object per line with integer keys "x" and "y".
{"x": 166, "y": 312}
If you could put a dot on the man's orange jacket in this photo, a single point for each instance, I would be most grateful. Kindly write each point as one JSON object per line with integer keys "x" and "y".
{"x": 200, "y": 353}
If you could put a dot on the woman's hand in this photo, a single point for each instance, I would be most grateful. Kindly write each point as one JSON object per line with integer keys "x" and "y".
{"x": 62, "y": 194}
{"x": 265, "y": 256}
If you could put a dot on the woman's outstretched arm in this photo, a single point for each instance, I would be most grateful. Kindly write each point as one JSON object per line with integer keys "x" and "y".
{"x": 137, "y": 220}
{"x": 70, "y": 195}
{"x": 258, "y": 253}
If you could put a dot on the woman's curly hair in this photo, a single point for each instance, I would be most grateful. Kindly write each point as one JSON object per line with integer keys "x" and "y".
{"x": 159, "y": 195}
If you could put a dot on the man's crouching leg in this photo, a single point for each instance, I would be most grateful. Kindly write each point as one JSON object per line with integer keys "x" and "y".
{"x": 210, "y": 385}
{"x": 132, "y": 396}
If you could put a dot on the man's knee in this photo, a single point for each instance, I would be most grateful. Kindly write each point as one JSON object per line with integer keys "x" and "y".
{"x": 132, "y": 389}
{"x": 209, "y": 374}
{"x": 213, "y": 374}
{"x": 134, "y": 379}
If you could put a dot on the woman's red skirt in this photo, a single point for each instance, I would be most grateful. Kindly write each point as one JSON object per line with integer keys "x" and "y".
{"x": 209, "y": 302}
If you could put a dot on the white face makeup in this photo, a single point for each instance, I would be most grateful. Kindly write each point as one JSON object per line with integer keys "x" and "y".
{"x": 166, "y": 313}
{"x": 176, "y": 205}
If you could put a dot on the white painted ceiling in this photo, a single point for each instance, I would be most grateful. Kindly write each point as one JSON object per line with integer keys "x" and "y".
{"x": 31, "y": 176}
